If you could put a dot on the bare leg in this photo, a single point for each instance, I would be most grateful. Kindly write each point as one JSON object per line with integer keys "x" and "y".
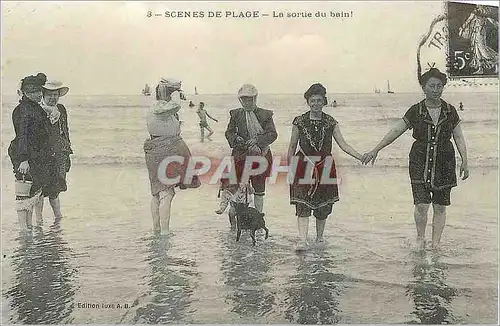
{"x": 224, "y": 201}
{"x": 210, "y": 132}
{"x": 202, "y": 133}
{"x": 320, "y": 227}
{"x": 438, "y": 223}
{"x": 56, "y": 207}
{"x": 420, "y": 216}
{"x": 259, "y": 202}
{"x": 22, "y": 217}
{"x": 39, "y": 211}
{"x": 303, "y": 226}
{"x": 155, "y": 212}
{"x": 166, "y": 197}
{"x": 232, "y": 218}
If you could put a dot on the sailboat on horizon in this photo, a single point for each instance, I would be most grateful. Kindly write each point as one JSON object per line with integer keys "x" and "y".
{"x": 376, "y": 90}
{"x": 389, "y": 91}
{"x": 146, "y": 91}
{"x": 195, "y": 91}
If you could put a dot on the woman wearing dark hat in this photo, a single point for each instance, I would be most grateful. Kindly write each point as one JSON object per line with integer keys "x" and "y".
{"x": 165, "y": 141}
{"x": 30, "y": 151}
{"x": 60, "y": 144}
{"x": 313, "y": 131}
{"x": 432, "y": 156}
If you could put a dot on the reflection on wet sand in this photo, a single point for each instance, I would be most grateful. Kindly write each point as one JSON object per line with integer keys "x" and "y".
{"x": 170, "y": 293}
{"x": 431, "y": 295}
{"x": 246, "y": 271}
{"x": 44, "y": 280}
{"x": 313, "y": 292}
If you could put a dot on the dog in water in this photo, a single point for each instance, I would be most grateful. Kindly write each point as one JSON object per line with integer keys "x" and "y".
{"x": 232, "y": 194}
{"x": 249, "y": 218}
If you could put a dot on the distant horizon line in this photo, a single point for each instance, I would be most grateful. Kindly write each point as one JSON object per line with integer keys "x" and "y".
{"x": 234, "y": 94}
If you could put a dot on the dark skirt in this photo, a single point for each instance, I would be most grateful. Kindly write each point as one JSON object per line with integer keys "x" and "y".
{"x": 56, "y": 181}
{"x": 315, "y": 194}
{"x": 40, "y": 175}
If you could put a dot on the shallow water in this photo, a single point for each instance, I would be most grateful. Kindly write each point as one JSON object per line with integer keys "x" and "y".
{"x": 104, "y": 253}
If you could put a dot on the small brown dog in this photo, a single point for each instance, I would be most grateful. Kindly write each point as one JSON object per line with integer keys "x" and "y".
{"x": 248, "y": 218}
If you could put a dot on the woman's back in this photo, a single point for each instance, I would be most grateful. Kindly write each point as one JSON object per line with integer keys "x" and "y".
{"x": 162, "y": 120}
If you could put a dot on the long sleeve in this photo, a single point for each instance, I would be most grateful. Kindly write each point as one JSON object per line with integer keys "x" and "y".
{"x": 269, "y": 135}
{"x": 20, "y": 119}
{"x": 65, "y": 125}
{"x": 232, "y": 130}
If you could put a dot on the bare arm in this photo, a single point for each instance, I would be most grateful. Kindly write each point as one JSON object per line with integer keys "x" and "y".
{"x": 208, "y": 115}
{"x": 397, "y": 130}
{"x": 292, "y": 148}
{"x": 337, "y": 135}
{"x": 294, "y": 140}
{"x": 459, "y": 139}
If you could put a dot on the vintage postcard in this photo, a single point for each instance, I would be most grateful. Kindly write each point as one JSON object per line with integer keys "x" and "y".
{"x": 254, "y": 162}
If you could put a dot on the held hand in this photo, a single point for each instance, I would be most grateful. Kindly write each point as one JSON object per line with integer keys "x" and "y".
{"x": 464, "y": 171}
{"x": 369, "y": 157}
{"x": 24, "y": 167}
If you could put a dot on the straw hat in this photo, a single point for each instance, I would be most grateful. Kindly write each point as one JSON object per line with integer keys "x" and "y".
{"x": 55, "y": 85}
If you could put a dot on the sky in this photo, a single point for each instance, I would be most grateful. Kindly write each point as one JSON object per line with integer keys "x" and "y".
{"x": 114, "y": 48}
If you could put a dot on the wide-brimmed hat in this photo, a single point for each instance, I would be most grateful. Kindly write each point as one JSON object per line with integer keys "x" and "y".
{"x": 33, "y": 83}
{"x": 55, "y": 85}
{"x": 247, "y": 90}
{"x": 171, "y": 83}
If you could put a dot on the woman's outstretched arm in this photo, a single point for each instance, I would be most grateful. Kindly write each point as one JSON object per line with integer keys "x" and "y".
{"x": 292, "y": 148}
{"x": 459, "y": 139}
{"x": 397, "y": 130}
{"x": 337, "y": 135}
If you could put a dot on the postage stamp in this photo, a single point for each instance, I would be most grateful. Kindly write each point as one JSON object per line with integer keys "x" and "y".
{"x": 472, "y": 40}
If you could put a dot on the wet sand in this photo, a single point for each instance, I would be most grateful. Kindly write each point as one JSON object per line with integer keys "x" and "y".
{"x": 103, "y": 253}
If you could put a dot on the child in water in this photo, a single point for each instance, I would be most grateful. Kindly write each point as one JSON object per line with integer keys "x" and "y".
{"x": 203, "y": 114}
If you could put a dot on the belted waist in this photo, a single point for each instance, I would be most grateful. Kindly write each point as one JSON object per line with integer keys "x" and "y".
{"x": 432, "y": 142}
